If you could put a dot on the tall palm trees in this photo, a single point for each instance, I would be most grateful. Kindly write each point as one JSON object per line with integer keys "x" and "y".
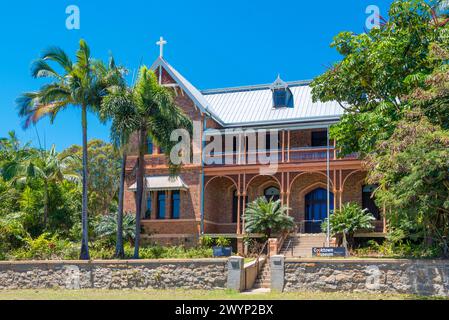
{"x": 148, "y": 110}
{"x": 81, "y": 84}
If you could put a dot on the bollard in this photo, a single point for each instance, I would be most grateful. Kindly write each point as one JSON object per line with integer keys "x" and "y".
{"x": 236, "y": 277}
{"x": 277, "y": 273}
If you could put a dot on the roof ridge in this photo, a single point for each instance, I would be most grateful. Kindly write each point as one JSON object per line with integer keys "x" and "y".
{"x": 252, "y": 87}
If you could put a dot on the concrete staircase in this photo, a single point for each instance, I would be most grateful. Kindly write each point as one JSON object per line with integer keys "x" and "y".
{"x": 264, "y": 278}
{"x": 302, "y": 244}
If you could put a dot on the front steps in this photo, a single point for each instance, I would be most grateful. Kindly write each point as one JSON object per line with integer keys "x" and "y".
{"x": 302, "y": 245}
{"x": 264, "y": 277}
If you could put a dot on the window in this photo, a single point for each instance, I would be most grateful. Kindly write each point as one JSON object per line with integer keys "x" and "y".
{"x": 149, "y": 207}
{"x": 161, "y": 205}
{"x": 319, "y": 139}
{"x": 175, "y": 205}
{"x": 282, "y": 96}
{"x": 149, "y": 146}
{"x": 368, "y": 201}
{"x": 272, "y": 194}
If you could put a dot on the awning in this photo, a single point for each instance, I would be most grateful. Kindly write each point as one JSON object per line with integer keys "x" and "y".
{"x": 162, "y": 183}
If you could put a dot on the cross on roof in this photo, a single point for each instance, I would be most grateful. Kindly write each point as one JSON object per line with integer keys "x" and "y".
{"x": 161, "y": 44}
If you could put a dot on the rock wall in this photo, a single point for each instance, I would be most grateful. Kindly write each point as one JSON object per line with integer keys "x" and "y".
{"x": 191, "y": 274}
{"x": 421, "y": 277}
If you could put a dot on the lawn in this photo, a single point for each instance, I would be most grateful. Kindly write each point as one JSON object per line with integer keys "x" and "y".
{"x": 50, "y": 294}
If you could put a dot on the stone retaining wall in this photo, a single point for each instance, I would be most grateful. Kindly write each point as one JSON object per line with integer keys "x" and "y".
{"x": 191, "y": 274}
{"x": 421, "y": 277}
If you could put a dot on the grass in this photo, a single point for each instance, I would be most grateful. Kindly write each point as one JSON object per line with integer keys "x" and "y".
{"x": 178, "y": 294}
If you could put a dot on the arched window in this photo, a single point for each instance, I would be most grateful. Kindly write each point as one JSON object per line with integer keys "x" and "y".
{"x": 316, "y": 209}
{"x": 272, "y": 193}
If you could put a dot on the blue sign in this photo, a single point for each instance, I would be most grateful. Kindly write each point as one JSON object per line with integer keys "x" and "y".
{"x": 329, "y": 252}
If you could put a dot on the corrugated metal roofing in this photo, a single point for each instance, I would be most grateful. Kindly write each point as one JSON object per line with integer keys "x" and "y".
{"x": 253, "y": 105}
{"x": 246, "y": 105}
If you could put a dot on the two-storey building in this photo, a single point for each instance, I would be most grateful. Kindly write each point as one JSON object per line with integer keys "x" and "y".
{"x": 209, "y": 197}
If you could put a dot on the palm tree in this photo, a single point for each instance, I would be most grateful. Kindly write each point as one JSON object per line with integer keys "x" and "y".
{"x": 81, "y": 84}
{"x": 263, "y": 216}
{"x": 47, "y": 166}
{"x": 148, "y": 109}
{"x": 119, "y": 107}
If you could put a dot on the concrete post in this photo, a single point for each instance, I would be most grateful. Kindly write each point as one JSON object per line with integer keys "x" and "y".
{"x": 236, "y": 276}
{"x": 277, "y": 273}
{"x": 273, "y": 246}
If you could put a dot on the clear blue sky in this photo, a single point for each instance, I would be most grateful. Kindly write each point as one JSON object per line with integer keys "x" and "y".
{"x": 212, "y": 43}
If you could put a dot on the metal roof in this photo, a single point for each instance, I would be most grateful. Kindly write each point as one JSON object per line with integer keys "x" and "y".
{"x": 253, "y": 105}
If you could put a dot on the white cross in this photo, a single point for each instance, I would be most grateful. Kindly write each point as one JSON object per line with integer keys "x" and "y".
{"x": 161, "y": 44}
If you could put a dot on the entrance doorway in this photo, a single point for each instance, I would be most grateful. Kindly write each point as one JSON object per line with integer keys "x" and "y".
{"x": 316, "y": 209}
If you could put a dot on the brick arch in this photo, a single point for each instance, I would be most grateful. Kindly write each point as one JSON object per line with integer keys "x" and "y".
{"x": 218, "y": 205}
{"x": 215, "y": 177}
{"x": 264, "y": 183}
{"x": 300, "y": 187}
{"x": 311, "y": 172}
{"x": 352, "y": 187}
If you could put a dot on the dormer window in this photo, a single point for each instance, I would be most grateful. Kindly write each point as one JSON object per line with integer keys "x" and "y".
{"x": 282, "y": 96}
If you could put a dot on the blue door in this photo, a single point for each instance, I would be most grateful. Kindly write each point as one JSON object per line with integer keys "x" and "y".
{"x": 316, "y": 209}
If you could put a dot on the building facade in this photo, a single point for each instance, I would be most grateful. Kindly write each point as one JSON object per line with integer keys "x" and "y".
{"x": 289, "y": 158}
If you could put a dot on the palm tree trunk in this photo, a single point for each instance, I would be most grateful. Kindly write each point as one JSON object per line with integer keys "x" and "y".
{"x": 345, "y": 244}
{"x": 45, "y": 204}
{"x": 84, "y": 255}
{"x": 119, "y": 250}
{"x": 139, "y": 195}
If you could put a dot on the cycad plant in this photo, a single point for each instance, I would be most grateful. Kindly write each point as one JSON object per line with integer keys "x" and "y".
{"x": 81, "y": 84}
{"x": 267, "y": 217}
{"x": 108, "y": 225}
{"x": 346, "y": 221}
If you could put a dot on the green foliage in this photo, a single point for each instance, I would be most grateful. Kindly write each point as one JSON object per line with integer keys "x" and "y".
{"x": 104, "y": 172}
{"x": 107, "y": 227}
{"x": 206, "y": 241}
{"x": 398, "y": 249}
{"x": 379, "y": 71}
{"x": 223, "y": 242}
{"x": 347, "y": 221}
{"x": 412, "y": 170}
{"x": 267, "y": 217}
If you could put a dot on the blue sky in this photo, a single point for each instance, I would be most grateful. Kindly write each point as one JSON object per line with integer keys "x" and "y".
{"x": 212, "y": 43}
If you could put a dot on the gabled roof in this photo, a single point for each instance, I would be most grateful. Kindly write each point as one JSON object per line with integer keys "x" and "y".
{"x": 253, "y": 105}
{"x": 188, "y": 88}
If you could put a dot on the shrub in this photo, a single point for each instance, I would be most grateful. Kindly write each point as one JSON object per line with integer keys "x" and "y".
{"x": 347, "y": 221}
{"x": 107, "y": 227}
{"x": 206, "y": 241}
{"x": 223, "y": 242}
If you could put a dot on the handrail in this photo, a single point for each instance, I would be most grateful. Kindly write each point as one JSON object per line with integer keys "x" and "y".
{"x": 288, "y": 246}
{"x": 259, "y": 255}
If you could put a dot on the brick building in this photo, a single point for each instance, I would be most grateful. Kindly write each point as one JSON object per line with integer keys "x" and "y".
{"x": 210, "y": 198}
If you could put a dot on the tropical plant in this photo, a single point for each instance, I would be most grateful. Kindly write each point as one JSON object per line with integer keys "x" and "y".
{"x": 46, "y": 166}
{"x": 206, "y": 241}
{"x": 107, "y": 227}
{"x": 379, "y": 71}
{"x": 81, "y": 84}
{"x": 346, "y": 221}
{"x": 155, "y": 116}
{"x": 124, "y": 122}
{"x": 267, "y": 217}
{"x": 223, "y": 242}
{"x": 412, "y": 170}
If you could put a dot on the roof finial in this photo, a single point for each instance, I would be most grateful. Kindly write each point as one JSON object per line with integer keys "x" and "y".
{"x": 161, "y": 44}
